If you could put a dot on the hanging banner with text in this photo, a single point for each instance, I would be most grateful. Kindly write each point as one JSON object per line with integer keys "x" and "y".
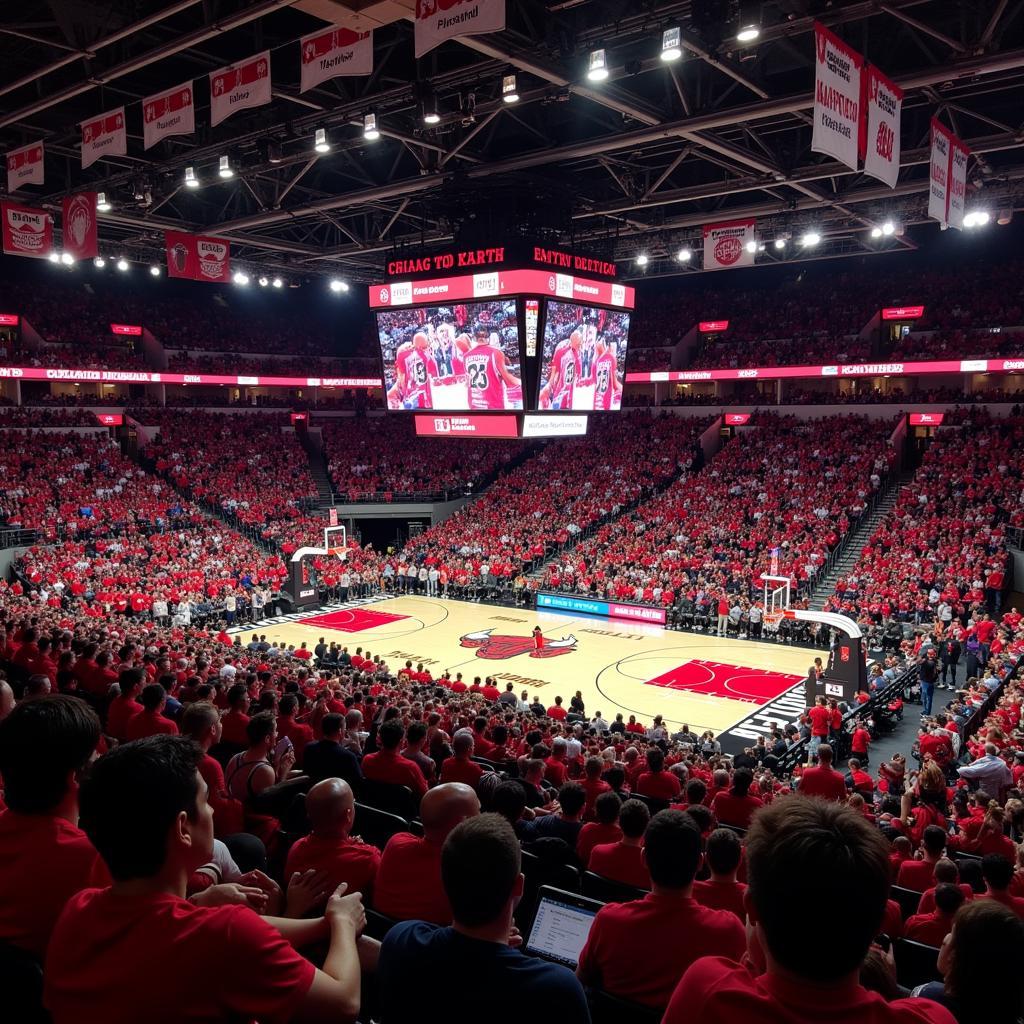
{"x": 883, "y": 106}
{"x": 25, "y": 166}
{"x": 725, "y": 245}
{"x": 947, "y": 172}
{"x": 196, "y": 258}
{"x": 836, "y": 97}
{"x": 172, "y": 112}
{"x": 105, "y": 135}
{"x": 333, "y": 53}
{"x": 438, "y": 20}
{"x": 78, "y": 226}
{"x": 240, "y": 86}
{"x": 27, "y": 231}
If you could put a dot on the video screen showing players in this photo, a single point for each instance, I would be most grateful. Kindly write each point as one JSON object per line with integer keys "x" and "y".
{"x": 583, "y": 365}
{"x": 463, "y": 357}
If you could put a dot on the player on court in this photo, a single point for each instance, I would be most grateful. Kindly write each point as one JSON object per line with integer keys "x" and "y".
{"x": 415, "y": 370}
{"x": 605, "y": 377}
{"x": 486, "y": 370}
{"x": 565, "y": 371}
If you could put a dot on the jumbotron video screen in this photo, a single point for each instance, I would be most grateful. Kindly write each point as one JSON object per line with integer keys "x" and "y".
{"x": 462, "y": 357}
{"x": 583, "y": 364}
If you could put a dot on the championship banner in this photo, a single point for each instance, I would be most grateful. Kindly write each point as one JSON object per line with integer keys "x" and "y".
{"x": 240, "y": 86}
{"x": 105, "y": 135}
{"x": 25, "y": 166}
{"x": 883, "y": 105}
{"x": 947, "y": 173}
{"x": 956, "y": 197}
{"x": 27, "y": 231}
{"x": 78, "y": 226}
{"x": 172, "y": 112}
{"x": 197, "y": 258}
{"x": 836, "y": 97}
{"x": 333, "y": 53}
{"x": 725, "y": 245}
{"x": 439, "y": 20}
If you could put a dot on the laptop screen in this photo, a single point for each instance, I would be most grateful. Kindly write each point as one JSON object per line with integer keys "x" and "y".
{"x": 560, "y": 929}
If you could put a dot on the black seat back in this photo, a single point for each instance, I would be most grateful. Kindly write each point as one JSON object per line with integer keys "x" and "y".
{"x": 376, "y": 826}
{"x": 607, "y": 890}
{"x": 916, "y": 963}
{"x": 21, "y": 982}
{"x": 386, "y": 796}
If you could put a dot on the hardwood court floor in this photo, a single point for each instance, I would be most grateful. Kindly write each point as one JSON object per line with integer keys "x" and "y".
{"x": 692, "y": 678}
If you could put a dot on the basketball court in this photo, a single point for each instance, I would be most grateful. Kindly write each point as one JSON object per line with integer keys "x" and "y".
{"x": 698, "y": 679}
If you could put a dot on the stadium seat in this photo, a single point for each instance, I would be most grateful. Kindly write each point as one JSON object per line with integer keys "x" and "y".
{"x": 378, "y": 924}
{"x": 608, "y": 1009}
{"x": 607, "y": 890}
{"x": 21, "y": 982}
{"x": 908, "y": 899}
{"x": 916, "y": 963}
{"x": 375, "y": 826}
{"x": 386, "y": 796}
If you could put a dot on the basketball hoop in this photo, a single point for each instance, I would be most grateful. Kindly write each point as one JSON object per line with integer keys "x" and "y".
{"x": 340, "y": 553}
{"x": 772, "y": 620}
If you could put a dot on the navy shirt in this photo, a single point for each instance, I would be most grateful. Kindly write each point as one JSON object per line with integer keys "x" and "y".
{"x": 426, "y": 972}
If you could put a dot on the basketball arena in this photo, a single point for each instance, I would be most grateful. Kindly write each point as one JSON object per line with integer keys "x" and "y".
{"x": 512, "y": 509}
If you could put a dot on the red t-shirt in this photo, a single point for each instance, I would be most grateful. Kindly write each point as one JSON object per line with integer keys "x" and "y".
{"x": 119, "y": 715}
{"x": 721, "y": 895}
{"x": 387, "y": 766}
{"x": 219, "y": 963}
{"x": 820, "y": 718}
{"x": 408, "y": 885}
{"x": 233, "y": 728}
{"x": 823, "y": 782}
{"x": 930, "y": 929}
{"x": 148, "y": 723}
{"x": 658, "y": 785}
{"x": 735, "y": 810}
{"x": 44, "y": 861}
{"x": 594, "y": 833}
{"x": 620, "y": 863}
{"x": 716, "y": 989}
{"x": 454, "y": 769}
{"x": 927, "y": 903}
{"x": 639, "y": 950}
{"x": 344, "y": 860}
{"x": 916, "y": 874}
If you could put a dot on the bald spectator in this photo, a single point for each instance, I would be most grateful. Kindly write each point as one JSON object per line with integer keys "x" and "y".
{"x": 408, "y": 885}
{"x": 461, "y": 767}
{"x": 7, "y": 701}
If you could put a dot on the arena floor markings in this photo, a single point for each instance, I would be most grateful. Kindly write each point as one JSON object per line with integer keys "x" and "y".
{"x": 352, "y": 620}
{"x": 703, "y": 681}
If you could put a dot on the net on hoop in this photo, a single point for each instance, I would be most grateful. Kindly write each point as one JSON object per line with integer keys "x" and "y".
{"x": 338, "y": 552}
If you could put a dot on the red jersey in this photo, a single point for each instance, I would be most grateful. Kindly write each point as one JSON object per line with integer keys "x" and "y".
{"x": 605, "y": 382}
{"x": 486, "y": 387}
{"x": 419, "y": 370}
{"x": 565, "y": 367}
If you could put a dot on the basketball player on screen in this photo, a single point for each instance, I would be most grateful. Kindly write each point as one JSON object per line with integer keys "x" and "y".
{"x": 564, "y": 372}
{"x": 415, "y": 370}
{"x": 395, "y": 393}
{"x": 486, "y": 370}
{"x": 605, "y": 376}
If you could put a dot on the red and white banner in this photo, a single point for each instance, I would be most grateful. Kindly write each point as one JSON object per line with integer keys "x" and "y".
{"x": 78, "y": 226}
{"x": 438, "y": 20}
{"x": 471, "y": 425}
{"x": 197, "y": 258}
{"x": 132, "y": 330}
{"x": 903, "y": 313}
{"x": 947, "y": 172}
{"x": 172, "y": 112}
{"x": 27, "y": 231}
{"x": 240, "y": 86}
{"x": 25, "y": 166}
{"x": 725, "y": 245}
{"x": 110, "y": 419}
{"x": 9, "y": 319}
{"x": 836, "y": 97}
{"x": 880, "y": 140}
{"x": 333, "y": 53}
{"x": 712, "y": 326}
{"x": 927, "y": 419}
{"x": 106, "y": 135}
{"x": 737, "y": 419}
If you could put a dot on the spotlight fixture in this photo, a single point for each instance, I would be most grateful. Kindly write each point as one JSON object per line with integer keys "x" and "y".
{"x": 67, "y": 259}
{"x": 1004, "y": 217}
{"x": 747, "y": 33}
{"x": 509, "y": 89}
{"x": 876, "y": 232}
{"x": 101, "y": 202}
{"x": 684, "y": 254}
{"x": 670, "y": 48}
{"x": 751, "y": 246}
{"x": 154, "y": 270}
{"x": 337, "y": 285}
{"x": 99, "y": 263}
{"x": 810, "y": 238}
{"x": 191, "y": 181}
{"x": 122, "y": 265}
{"x": 224, "y": 169}
{"x": 54, "y": 257}
{"x": 749, "y": 27}
{"x": 780, "y": 243}
{"x": 597, "y": 69}
{"x": 240, "y": 277}
{"x": 642, "y": 260}
{"x": 274, "y": 153}
{"x": 888, "y": 228}
{"x": 263, "y": 282}
{"x": 320, "y": 143}
{"x": 277, "y": 282}
{"x": 977, "y": 218}
{"x": 430, "y": 112}
{"x": 370, "y": 130}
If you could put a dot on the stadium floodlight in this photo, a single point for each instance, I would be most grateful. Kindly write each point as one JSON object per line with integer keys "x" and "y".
{"x": 888, "y": 228}
{"x": 751, "y": 246}
{"x": 976, "y": 218}
{"x": 370, "y": 131}
{"x": 191, "y": 181}
{"x": 749, "y": 22}
{"x": 224, "y": 167}
{"x": 122, "y": 265}
{"x": 431, "y": 115}
{"x": 154, "y": 270}
{"x": 240, "y": 277}
{"x": 597, "y": 66}
{"x": 277, "y": 282}
{"x": 670, "y": 47}
{"x": 642, "y": 260}
{"x": 101, "y": 202}
{"x": 810, "y": 238}
{"x": 264, "y": 281}
{"x": 509, "y": 89}
{"x": 99, "y": 263}
{"x": 320, "y": 143}
{"x": 54, "y": 257}
{"x": 780, "y": 243}
{"x": 876, "y": 232}
{"x": 684, "y": 254}
{"x": 67, "y": 259}
{"x": 337, "y": 285}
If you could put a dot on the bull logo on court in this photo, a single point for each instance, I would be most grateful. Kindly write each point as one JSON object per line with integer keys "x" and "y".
{"x": 504, "y": 646}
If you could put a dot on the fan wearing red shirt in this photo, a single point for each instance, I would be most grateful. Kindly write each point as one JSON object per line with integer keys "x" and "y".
{"x": 45, "y": 858}
{"x": 146, "y": 807}
{"x": 298, "y": 732}
{"x": 736, "y": 806}
{"x": 556, "y": 711}
{"x": 623, "y": 861}
{"x": 656, "y": 782}
{"x": 721, "y": 891}
{"x": 605, "y": 830}
{"x": 408, "y": 886}
{"x": 920, "y": 874}
{"x": 235, "y": 719}
{"x": 124, "y": 707}
{"x": 803, "y": 853}
{"x": 387, "y": 765}
{"x": 823, "y": 780}
{"x": 639, "y": 950}
{"x": 932, "y": 928}
{"x": 150, "y": 720}
{"x": 460, "y": 767}
{"x": 998, "y": 874}
{"x": 820, "y": 717}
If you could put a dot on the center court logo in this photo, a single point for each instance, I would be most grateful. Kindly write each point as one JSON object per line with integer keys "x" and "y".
{"x": 503, "y": 647}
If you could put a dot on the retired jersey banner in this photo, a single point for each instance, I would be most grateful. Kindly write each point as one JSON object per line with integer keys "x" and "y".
{"x": 197, "y": 258}
{"x": 334, "y": 52}
{"x": 883, "y": 106}
{"x": 240, "y": 86}
{"x": 105, "y": 135}
{"x": 25, "y": 166}
{"x": 439, "y": 20}
{"x": 725, "y": 245}
{"x": 172, "y": 112}
{"x": 947, "y": 174}
{"x": 27, "y": 231}
{"x": 956, "y": 197}
{"x": 78, "y": 226}
{"x": 836, "y": 97}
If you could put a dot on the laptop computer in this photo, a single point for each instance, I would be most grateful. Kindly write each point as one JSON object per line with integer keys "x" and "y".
{"x": 561, "y": 926}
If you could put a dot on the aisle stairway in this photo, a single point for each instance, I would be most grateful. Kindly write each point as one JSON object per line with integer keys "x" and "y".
{"x": 313, "y": 444}
{"x": 854, "y": 542}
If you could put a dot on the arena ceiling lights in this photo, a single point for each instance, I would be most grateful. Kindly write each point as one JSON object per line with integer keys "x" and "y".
{"x": 640, "y": 122}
